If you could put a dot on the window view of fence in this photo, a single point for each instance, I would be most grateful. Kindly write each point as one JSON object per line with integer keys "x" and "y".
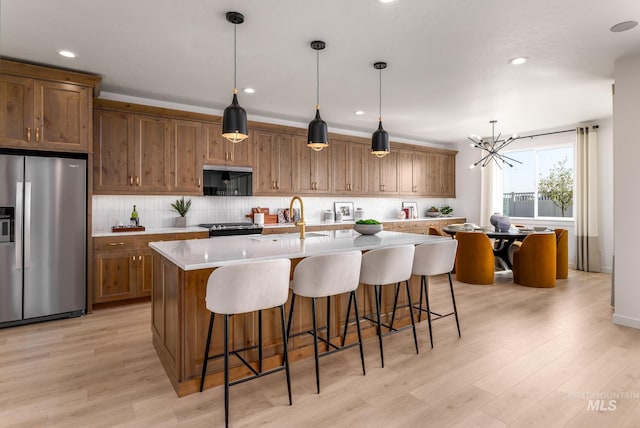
{"x": 542, "y": 186}
{"x": 522, "y": 204}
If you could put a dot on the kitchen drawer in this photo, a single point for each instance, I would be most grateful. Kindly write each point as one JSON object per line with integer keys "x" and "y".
{"x": 115, "y": 243}
{"x": 191, "y": 235}
{"x": 400, "y": 226}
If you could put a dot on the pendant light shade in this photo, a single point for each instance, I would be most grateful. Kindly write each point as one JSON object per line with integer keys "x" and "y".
{"x": 234, "y": 120}
{"x": 318, "y": 135}
{"x": 380, "y": 138}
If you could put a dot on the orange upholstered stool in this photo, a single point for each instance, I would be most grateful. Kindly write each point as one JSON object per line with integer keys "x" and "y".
{"x": 562, "y": 253}
{"x": 534, "y": 263}
{"x": 474, "y": 259}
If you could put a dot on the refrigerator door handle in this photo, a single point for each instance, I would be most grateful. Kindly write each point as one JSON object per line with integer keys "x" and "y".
{"x": 18, "y": 224}
{"x": 27, "y": 224}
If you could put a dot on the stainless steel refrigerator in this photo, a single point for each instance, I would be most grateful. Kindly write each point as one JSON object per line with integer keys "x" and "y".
{"x": 43, "y": 215}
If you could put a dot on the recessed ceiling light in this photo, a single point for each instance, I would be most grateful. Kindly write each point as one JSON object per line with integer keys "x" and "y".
{"x": 623, "y": 26}
{"x": 387, "y": 1}
{"x": 249, "y": 91}
{"x": 518, "y": 60}
{"x": 358, "y": 113}
{"x": 67, "y": 54}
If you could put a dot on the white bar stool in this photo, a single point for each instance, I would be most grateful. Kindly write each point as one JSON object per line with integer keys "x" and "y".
{"x": 242, "y": 288}
{"x": 435, "y": 259}
{"x": 326, "y": 276}
{"x": 387, "y": 266}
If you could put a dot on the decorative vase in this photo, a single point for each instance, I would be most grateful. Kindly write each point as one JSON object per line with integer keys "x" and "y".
{"x": 181, "y": 222}
{"x": 500, "y": 222}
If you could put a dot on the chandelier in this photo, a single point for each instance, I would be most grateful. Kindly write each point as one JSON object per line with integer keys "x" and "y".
{"x": 493, "y": 148}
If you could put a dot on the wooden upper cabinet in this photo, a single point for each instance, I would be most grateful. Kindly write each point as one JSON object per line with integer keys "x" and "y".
{"x": 186, "y": 156}
{"x": 442, "y": 175}
{"x": 314, "y": 168}
{"x": 220, "y": 151}
{"x": 382, "y": 177}
{"x": 412, "y": 173}
{"x": 114, "y": 151}
{"x": 275, "y": 161}
{"x": 16, "y": 120}
{"x": 349, "y": 165}
{"x": 132, "y": 153}
{"x": 62, "y": 116}
{"x": 40, "y": 114}
{"x": 152, "y": 143}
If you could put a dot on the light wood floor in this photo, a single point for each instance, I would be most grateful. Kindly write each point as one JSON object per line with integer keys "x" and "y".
{"x": 527, "y": 357}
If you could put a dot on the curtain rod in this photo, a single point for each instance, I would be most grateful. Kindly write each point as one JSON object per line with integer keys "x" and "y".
{"x": 551, "y": 133}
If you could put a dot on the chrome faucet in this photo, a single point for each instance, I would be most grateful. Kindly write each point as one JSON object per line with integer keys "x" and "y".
{"x": 301, "y": 221}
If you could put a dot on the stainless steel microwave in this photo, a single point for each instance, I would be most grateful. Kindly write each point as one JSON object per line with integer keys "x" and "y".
{"x": 222, "y": 180}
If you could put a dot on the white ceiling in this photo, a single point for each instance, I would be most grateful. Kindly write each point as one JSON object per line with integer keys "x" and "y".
{"x": 448, "y": 72}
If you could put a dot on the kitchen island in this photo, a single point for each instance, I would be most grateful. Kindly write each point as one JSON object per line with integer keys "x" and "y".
{"x": 179, "y": 317}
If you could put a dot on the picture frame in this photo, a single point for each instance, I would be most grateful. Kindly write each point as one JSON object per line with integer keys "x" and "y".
{"x": 346, "y": 208}
{"x": 413, "y": 208}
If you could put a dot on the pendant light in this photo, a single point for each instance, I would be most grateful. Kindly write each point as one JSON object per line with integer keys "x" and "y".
{"x": 380, "y": 138}
{"x": 234, "y": 120}
{"x": 318, "y": 136}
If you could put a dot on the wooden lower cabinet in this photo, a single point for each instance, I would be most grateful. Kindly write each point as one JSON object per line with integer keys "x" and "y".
{"x": 421, "y": 226}
{"x": 123, "y": 265}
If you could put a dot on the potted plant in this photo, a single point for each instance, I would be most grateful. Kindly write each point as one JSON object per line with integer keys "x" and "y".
{"x": 432, "y": 212}
{"x": 181, "y": 208}
{"x": 446, "y": 210}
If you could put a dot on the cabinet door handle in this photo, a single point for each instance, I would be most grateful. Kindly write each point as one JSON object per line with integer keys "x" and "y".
{"x": 29, "y": 134}
{"x": 139, "y": 258}
{"x": 137, "y": 180}
{"x": 199, "y": 183}
{"x": 37, "y": 134}
{"x": 277, "y": 185}
{"x": 113, "y": 244}
{"x": 131, "y": 180}
{"x": 226, "y": 156}
{"x": 231, "y": 156}
{"x": 133, "y": 259}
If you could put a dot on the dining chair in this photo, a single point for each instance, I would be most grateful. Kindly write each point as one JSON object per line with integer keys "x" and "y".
{"x": 562, "y": 253}
{"x": 474, "y": 258}
{"x": 534, "y": 262}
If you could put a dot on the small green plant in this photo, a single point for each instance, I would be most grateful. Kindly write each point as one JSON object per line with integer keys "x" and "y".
{"x": 181, "y": 206}
{"x": 368, "y": 221}
{"x": 433, "y": 210}
{"x": 446, "y": 210}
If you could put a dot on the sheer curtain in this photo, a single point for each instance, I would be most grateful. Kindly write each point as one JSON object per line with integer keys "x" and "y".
{"x": 490, "y": 192}
{"x": 586, "y": 200}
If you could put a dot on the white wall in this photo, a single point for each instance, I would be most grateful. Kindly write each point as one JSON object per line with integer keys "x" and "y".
{"x": 626, "y": 176}
{"x": 469, "y": 184}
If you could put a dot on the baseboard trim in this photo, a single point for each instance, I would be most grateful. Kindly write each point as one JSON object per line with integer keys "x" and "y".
{"x": 626, "y": 321}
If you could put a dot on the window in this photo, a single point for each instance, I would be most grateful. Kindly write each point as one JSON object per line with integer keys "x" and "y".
{"x": 542, "y": 186}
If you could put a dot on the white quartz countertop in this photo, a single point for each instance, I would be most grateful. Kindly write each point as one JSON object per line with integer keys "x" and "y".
{"x": 224, "y": 250}
{"x": 152, "y": 231}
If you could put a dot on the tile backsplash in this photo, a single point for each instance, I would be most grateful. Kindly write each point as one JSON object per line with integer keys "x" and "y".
{"x": 156, "y": 212}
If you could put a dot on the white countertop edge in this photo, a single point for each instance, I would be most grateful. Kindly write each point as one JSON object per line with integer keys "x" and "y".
{"x": 328, "y": 223}
{"x": 411, "y": 238}
{"x": 154, "y": 231}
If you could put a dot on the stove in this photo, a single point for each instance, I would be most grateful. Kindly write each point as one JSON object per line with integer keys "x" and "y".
{"x": 228, "y": 229}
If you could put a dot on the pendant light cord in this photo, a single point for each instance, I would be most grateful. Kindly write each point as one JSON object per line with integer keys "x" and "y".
{"x": 380, "y": 98}
{"x": 317, "y": 80}
{"x": 235, "y": 57}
